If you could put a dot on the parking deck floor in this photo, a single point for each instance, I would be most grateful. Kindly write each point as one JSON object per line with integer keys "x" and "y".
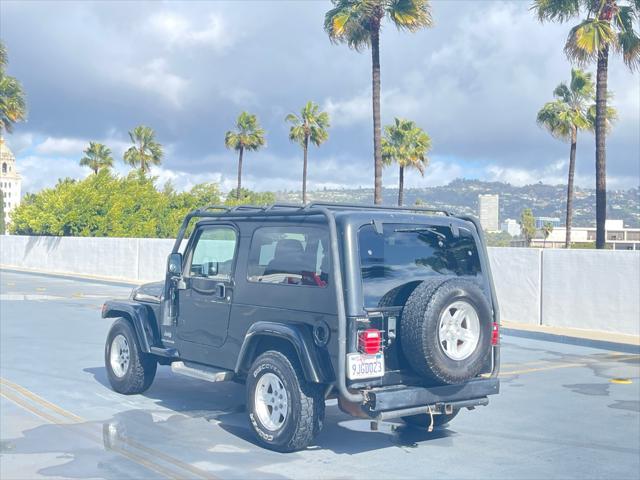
{"x": 563, "y": 411}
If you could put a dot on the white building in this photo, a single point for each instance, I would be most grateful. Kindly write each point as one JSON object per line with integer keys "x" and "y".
{"x": 511, "y": 226}
{"x": 617, "y": 236}
{"x": 488, "y": 212}
{"x": 10, "y": 180}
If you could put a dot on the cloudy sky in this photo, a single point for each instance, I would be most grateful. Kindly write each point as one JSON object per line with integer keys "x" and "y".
{"x": 474, "y": 82}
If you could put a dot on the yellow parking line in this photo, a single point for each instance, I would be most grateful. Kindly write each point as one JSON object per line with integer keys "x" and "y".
{"x": 77, "y": 419}
{"x": 542, "y": 369}
{"x": 26, "y": 406}
{"x": 42, "y": 401}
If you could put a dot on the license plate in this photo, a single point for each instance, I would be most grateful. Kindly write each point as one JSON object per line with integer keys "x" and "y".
{"x": 360, "y": 365}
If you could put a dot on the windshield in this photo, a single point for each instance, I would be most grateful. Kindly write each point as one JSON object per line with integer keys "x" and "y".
{"x": 405, "y": 254}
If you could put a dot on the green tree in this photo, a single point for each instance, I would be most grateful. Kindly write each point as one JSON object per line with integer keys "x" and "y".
{"x": 527, "y": 226}
{"x": 498, "y": 239}
{"x": 310, "y": 125}
{"x": 107, "y": 205}
{"x": 407, "y": 145}
{"x": 249, "y": 136}
{"x": 13, "y": 106}
{"x": 547, "y": 228}
{"x": 609, "y": 24}
{"x": 248, "y": 197}
{"x": 357, "y": 23}
{"x": 146, "y": 151}
{"x": 563, "y": 118}
{"x": 96, "y": 157}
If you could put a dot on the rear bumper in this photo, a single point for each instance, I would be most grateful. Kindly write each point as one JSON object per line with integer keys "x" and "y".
{"x": 400, "y": 400}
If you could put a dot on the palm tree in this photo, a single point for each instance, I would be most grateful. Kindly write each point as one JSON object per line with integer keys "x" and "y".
{"x": 357, "y": 23}
{"x": 547, "y": 228}
{"x": 145, "y": 150}
{"x": 310, "y": 125}
{"x": 97, "y": 156}
{"x": 608, "y": 25}
{"x": 563, "y": 118}
{"x": 406, "y": 144}
{"x": 247, "y": 136}
{"x": 13, "y": 107}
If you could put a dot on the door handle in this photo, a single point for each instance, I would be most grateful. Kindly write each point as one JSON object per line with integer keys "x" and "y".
{"x": 221, "y": 290}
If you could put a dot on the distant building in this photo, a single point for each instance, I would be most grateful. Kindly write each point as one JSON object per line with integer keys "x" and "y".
{"x": 617, "y": 236}
{"x": 511, "y": 226}
{"x": 540, "y": 221}
{"x": 488, "y": 212}
{"x": 10, "y": 180}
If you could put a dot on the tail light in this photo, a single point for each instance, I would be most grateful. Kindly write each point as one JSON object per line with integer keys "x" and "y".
{"x": 495, "y": 334}
{"x": 369, "y": 341}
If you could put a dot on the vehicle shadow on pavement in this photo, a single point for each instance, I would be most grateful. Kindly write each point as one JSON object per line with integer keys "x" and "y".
{"x": 224, "y": 405}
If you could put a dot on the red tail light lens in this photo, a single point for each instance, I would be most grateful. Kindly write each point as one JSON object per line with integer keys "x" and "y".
{"x": 495, "y": 334}
{"x": 369, "y": 341}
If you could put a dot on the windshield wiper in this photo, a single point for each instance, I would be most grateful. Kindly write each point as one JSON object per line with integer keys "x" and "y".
{"x": 422, "y": 230}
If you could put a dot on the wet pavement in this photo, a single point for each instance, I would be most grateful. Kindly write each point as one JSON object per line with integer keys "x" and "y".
{"x": 564, "y": 411}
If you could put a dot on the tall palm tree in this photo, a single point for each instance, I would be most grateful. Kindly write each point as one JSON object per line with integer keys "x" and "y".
{"x": 13, "y": 106}
{"x": 609, "y": 24}
{"x": 310, "y": 125}
{"x": 407, "y": 145}
{"x": 563, "y": 118}
{"x": 248, "y": 135}
{"x": 145, "y": 150}
{"x": 357, "y": 23}
{"x": 97, "y": 156}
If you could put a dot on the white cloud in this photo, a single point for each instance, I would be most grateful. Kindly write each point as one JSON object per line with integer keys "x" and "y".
{"x": 61, "y": 146}
{"x": 154, "y": 76}
{"x": 350, "y": 111}
{"x": 178, "y": 31}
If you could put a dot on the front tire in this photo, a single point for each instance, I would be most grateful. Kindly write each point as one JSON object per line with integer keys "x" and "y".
{"x": 285, "y": 411}
{"x": 130, "y": 371}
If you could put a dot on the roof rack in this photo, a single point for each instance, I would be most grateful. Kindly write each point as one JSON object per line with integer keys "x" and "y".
{"x": 377, "y": 207}
{"x": 309, "y": 206}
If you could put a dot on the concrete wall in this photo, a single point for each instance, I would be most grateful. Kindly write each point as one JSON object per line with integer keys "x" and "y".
{"x": 588, "y": 289}
{"x": 592, "y": 289}
{"x": 516, "y": 275}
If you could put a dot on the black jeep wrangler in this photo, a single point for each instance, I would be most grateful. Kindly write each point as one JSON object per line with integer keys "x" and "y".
{"x": 391, "y": 310}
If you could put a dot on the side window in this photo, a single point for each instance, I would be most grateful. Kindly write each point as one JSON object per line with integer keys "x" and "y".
{"x": 289, "y": 256}
{"x": 213, "y": 254}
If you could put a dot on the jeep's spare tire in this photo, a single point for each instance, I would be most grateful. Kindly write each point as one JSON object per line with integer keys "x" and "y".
{"x": 446, "y": 330}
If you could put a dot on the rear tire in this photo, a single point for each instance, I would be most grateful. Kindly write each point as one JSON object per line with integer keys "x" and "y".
{"x": 130, "y": 371}
{"x": 446, "y": 330}
{"x": 285, "y": 411}
{"x": 424, "y": 420}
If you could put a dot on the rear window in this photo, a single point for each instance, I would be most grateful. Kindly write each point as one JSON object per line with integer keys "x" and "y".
{"x": 289, "y": 256}
{"x": 404, "y": 254}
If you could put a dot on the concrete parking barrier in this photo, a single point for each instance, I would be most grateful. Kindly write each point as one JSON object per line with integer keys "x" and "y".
{"x": 586, "y": 289}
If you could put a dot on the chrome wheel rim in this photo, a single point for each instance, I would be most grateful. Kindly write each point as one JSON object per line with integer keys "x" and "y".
{"x": 271, "y": 403}
{"x": 119, "y": 356}
{"x": 459, "y": 330}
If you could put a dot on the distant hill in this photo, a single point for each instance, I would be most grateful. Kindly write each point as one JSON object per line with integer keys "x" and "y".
{"x": 461, "y": 196}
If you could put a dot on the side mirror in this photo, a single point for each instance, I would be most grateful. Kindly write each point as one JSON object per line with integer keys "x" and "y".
{"x": 174, "y": 264}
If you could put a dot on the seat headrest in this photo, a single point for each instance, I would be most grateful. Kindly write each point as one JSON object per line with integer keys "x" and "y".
{"x": 288, "y": 246}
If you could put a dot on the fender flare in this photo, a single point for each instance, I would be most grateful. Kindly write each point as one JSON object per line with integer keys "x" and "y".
{"x": 316, "y": 369}
{"x": 138, "y": 315}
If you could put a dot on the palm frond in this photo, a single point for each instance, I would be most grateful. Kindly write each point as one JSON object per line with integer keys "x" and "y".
{"x": 556, "y": 10}
{"x": 628, "y": 41}
{"x": 410, "y": 15}
{"x": 587, "y": 38}
{"x": 349, "y": 22}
